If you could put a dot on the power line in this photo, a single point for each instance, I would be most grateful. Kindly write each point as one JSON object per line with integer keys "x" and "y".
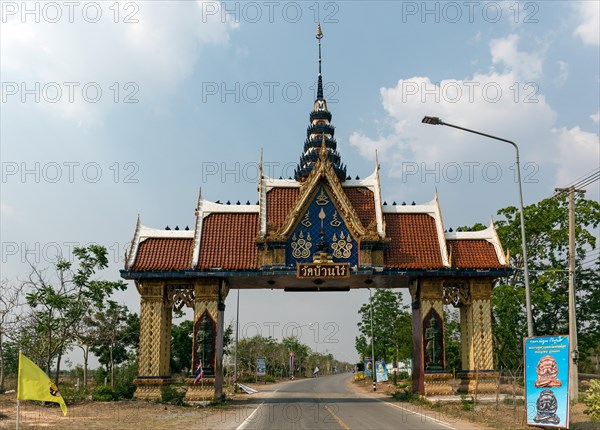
{"x": 581, "y": 182}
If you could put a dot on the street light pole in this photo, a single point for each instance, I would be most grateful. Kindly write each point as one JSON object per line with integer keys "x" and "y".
{"x": 437, "y": 121}
{"x": 373, "y": 374}
{"x": 237, "y": 330}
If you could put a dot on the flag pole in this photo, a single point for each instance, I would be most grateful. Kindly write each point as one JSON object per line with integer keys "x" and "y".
{"x": 18, "y": 401}
{"x": 18, "y": 412}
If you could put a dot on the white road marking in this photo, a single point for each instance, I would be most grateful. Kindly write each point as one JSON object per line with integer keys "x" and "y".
{"x": 248, "y": 420}
{"x": 417, "y": 413}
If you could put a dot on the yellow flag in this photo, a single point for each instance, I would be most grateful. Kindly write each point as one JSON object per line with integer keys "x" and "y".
{"x": 34, "y": 384}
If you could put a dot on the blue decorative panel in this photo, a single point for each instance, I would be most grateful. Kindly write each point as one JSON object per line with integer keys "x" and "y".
{"x": 304, "y": 240}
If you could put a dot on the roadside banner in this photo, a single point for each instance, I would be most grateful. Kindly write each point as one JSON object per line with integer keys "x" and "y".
{"x": 368, "y": 366}
{"x": 547, "y": 381}
{"x": 261, "y": 367}
{"x": 381, "y": 371}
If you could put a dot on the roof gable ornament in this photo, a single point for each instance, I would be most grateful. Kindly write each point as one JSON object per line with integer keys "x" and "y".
{"x": 323, "y": 174}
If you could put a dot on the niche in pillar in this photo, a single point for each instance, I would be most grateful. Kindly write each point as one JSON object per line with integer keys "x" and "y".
{"x": 433, "y": 341}
{"x": 205, "y": 334}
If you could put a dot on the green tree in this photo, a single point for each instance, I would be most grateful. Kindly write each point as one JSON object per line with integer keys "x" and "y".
{"x": 57, "y": 304}
{"x": 392, "y": 325}
{"x": 546, "y": 225}
{"x": 10, "y": 305}
{"x": 181, "y": 347}
{"x": 116, "y": 331}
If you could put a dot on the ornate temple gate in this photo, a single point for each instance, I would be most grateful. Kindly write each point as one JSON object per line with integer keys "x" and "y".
{"x": 320, "y": 231}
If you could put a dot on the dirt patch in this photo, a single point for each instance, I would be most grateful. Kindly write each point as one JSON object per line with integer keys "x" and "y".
{"x": 504, "y": 415}
{"x": 122, "y": 415}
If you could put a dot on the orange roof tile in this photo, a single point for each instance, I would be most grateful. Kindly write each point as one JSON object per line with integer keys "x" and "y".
{"x": 473, "y": 254}
{"x": 164, "y": 254}
{"x": 279, "y": 202}
{"x": 414, "y": 242}
{"x": 363, "y": 202}
{"x": 228, "y": 241}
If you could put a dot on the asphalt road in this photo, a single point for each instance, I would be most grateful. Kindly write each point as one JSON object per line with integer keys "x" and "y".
{"x": 328, "y": 403}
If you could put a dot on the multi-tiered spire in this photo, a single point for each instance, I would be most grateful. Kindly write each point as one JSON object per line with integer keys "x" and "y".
{"x": 320, "y": 129}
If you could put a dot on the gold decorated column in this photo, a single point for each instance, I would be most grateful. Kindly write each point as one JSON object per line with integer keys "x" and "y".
{"x": 429, "y": 376}
{"x": 476, "y": 340}
{"x": 206, "y": 292}
{"x": 155, "y": 340}
{"x": 476, "y": 328}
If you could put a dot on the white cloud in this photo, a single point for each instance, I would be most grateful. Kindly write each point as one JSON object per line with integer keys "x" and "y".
{"x": 589, "y": 28}
{"x": 156, "y": 54}
{"x": 505, "y": 51}
{"x": 577, "y": 151}
{"x": 491, "y": 102}
{"x": 595, "y": 117}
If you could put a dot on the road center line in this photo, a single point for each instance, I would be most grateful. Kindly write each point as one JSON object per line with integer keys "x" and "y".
{"x": 338, "y": 419}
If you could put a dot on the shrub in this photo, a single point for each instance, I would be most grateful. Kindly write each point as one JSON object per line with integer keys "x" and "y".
{"x": 103, "y": 393}
{"x": 124, "y": 386}
{"x": 171, "y": 395}
{"x": 248, "y": 379}
{"x": 71, "y": 394}
{"x": 270, "y": 378}
{"x": 467, "y": 404}
{"x": 405, "y": 395}
{"x": 100, "y": 376}
{"x": 592, "y": 400}
{"x": 403, "y": 375}
{"x": 125, "y": 390}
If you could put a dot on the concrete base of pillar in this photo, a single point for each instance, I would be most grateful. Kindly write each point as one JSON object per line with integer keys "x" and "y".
{"x": 438, "y": 384}
{"x": 482, "y": 382}
{"x": 203, "y": 391}
{"x": 148, "y": 388}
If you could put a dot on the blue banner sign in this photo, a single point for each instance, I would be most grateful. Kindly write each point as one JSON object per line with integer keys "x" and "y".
{"x": 547, "y": 381}
{"x": 261, "y": 367}
{"x": 381, "y": 371}
{"x": 368, "y": 366}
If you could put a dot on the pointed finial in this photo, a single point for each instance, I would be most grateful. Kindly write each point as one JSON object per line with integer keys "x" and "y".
{"x": 323, "y": 152}
{"x": 319, "y": 36}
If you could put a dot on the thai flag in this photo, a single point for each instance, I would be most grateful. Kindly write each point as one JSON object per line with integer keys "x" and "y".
{"x": 199, "y": 373}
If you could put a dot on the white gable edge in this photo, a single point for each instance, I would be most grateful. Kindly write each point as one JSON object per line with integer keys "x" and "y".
{"x": 489, "y": 234}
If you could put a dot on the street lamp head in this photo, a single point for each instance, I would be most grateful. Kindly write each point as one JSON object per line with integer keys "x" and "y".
{"x": 433, "y": 120}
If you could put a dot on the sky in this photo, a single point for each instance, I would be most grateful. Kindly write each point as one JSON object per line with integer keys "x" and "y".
{"x": 114, "y": 109}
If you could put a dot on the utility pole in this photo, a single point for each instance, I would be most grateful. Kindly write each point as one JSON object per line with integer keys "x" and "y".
{"x": 574, "y": 353}
{"x": 373, "y": 374}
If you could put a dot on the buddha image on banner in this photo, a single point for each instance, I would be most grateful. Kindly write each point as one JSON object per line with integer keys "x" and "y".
{"x": 547, "y": 381}
{"x": 381, "y": 371}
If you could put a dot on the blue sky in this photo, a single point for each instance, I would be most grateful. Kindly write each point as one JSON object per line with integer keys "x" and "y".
{"x": 206, "y": 89}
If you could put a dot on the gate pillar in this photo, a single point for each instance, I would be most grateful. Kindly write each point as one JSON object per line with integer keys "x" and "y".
{"x": 155, "y": 340}
{"x": 429, "y": 375}
{"x": 476, "y": 340}
{"x": 208, "y": 340}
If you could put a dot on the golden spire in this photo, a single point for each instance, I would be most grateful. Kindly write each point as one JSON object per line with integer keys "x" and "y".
{"x": 319, "y": 32}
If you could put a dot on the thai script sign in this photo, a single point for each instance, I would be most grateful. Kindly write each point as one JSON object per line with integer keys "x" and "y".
{"x": 320, "y": 270}
{"x": 547, "y": 381}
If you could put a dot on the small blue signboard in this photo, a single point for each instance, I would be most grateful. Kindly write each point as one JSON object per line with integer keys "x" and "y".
{"x": 368, "y": 366}
{"x": 547, "y": 381}
{"x": 261, "y": 367}
{"x": 381, "y": 371}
